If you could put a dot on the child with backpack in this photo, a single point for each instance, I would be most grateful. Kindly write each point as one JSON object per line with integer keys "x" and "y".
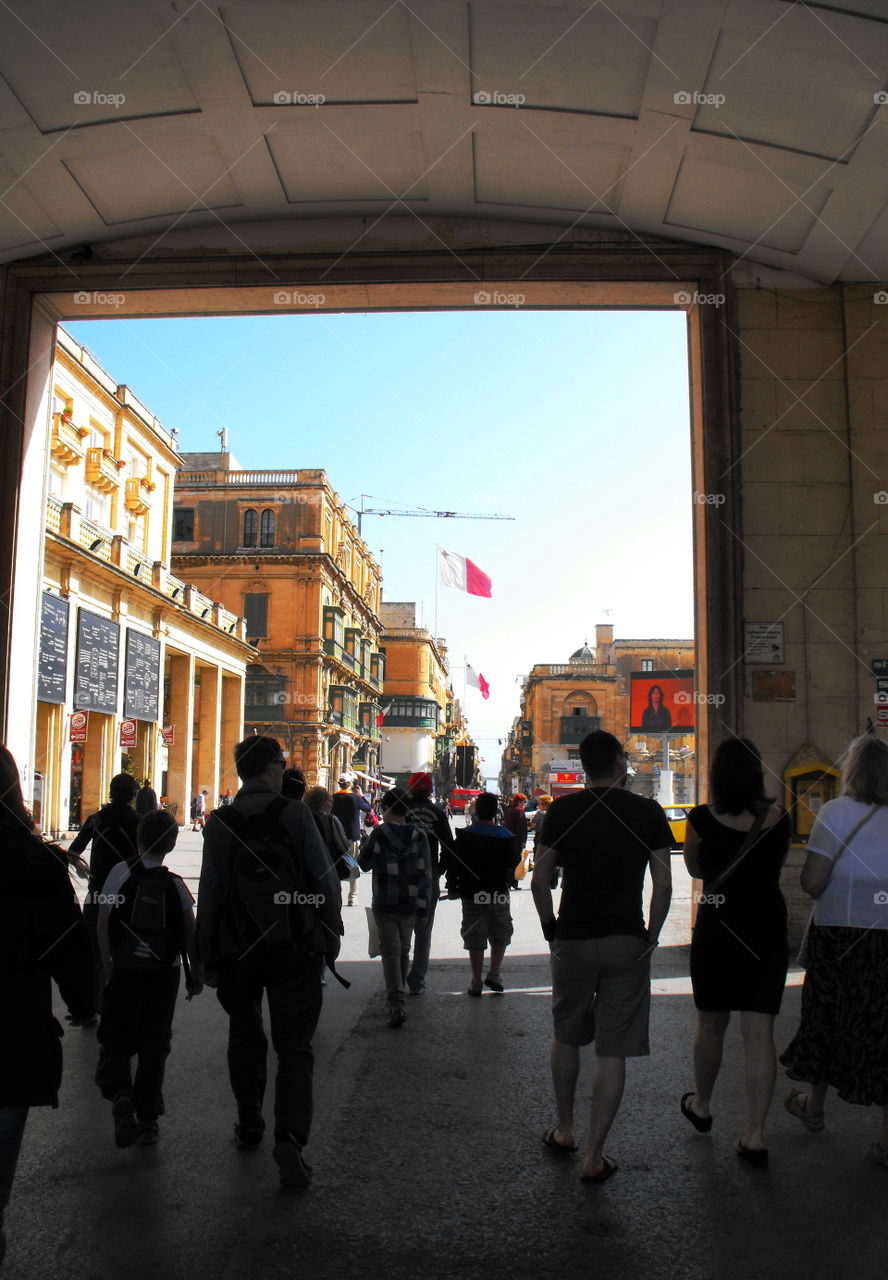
{"x": 399, "y": 857}
{"x": 145, "y": 925}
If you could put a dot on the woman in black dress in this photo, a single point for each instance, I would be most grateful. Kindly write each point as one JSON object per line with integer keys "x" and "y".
{"x": 739, "y": 948}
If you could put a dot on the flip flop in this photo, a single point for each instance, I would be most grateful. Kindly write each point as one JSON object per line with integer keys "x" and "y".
{"x": 755, "y": 1156}
{"x": 796, "y": 1103}
{"x": 595, "y": 1179}
{"x": 701, "y": 1123}
{"x": 559, "y": 1148}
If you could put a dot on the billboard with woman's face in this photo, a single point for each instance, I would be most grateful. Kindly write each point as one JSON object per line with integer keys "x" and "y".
{"x": 661, "y": 702}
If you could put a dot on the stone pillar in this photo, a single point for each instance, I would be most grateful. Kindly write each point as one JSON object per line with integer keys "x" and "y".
{"x": 99, "y": 761}
{"x": 232, "y": 730}
{"x": 181, "y": 715}
{"x": 208, "y": 721}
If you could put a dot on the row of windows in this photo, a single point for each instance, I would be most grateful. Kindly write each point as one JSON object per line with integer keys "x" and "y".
{"x": 254, "y": 525}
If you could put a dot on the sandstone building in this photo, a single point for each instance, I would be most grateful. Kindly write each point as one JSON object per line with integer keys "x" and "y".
{"x": 423, "y": 723}
{"x": 562, "y": 702}
{"x": 138, "y": 671}
{"x": 279, "y": 548}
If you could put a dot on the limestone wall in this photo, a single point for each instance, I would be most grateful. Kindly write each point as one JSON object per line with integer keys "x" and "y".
{"x": 814, "y": 472}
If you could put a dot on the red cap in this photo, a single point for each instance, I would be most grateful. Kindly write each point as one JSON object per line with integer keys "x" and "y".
{"x": 420, "y": 782}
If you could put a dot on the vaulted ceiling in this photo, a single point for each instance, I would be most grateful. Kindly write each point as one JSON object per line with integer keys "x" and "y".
{"x": 760, "y": 126}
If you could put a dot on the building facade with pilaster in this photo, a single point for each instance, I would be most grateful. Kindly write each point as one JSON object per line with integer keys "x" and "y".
{"x": 138, "y": 671}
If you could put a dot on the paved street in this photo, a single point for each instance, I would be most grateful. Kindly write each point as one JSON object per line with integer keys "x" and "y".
{"x": 427, "y": 1154}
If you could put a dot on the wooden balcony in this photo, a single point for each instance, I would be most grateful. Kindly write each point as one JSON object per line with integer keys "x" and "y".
{"x": 103, "y": 470}
{"x": 66, "y": 440}
{"x": 138, "y": 495}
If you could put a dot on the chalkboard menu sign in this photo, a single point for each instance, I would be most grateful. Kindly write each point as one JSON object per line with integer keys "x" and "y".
{"x": 53, "y": 664}
{"x": 141, "y": 683}
{"x": 98, "y": 644}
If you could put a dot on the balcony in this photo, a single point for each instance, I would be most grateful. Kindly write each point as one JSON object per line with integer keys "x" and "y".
{"x": 103, "y": 470}
{"x": 53, "y": 514}
{"x": 66, "y": 440}
{"x": 138, "y": 495}
{"x": 575, "y": 728}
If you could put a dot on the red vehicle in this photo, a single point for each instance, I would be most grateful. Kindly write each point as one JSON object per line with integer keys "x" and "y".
{"x": 460, "y": 797}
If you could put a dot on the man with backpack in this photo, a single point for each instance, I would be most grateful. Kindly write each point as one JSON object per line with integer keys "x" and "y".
{"x": 425, "y": 814}
{"x": 398, "y": 855}
{"x": 145, "y": 926}
{"x": 268, "y": 919}
{"x": 112, "y": 831}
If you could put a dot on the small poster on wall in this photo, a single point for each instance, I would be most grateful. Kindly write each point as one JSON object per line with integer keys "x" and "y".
{"x": 763, "y": 642}
{"x": 79, "y": 726}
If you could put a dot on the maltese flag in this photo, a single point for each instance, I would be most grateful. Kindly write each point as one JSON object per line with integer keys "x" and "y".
{"x": 457, "y": 571}
{"x": 477, "y": 681}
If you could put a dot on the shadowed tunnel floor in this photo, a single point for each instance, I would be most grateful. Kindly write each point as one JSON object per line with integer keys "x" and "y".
{"x": 428, "y": 1160}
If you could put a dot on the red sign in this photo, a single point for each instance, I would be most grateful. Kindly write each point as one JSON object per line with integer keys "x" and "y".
{"x": 567, "y": 777}
{"x": 79, "y": 725}
{"x": 662, "y": 702}
{"x": 168, "y": 733}
{"x": 127, "y": 733}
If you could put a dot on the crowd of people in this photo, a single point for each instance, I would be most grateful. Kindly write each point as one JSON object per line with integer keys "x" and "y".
{"x": 278, "y": 859}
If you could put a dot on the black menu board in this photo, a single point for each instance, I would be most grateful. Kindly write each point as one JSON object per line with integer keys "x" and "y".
{"x": 53, "y": 664}
{"x": 141, "y": 681}
{"x": 98, "y": 643}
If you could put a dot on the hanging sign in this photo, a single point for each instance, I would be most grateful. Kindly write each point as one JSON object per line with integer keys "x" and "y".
{"x": 79, "y": 725}
{"x": 141, "y": 680}
{"x": 98, "y": 643}
{"x": 52, "y": 666}
{"x": 168, "y": 733}
{"x": 127, "y": 733}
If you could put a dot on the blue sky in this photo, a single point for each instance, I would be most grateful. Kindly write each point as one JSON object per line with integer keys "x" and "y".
{"x": 575, "y": 423}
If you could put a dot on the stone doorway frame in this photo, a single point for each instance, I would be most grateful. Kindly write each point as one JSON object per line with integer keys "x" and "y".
{"x": 36, "y": 295}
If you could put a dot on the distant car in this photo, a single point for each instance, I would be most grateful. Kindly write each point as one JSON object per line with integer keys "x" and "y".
{"x": 677, "y": 817}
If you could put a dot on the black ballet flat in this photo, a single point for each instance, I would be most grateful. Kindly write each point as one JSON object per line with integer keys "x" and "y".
{"x": 756, "y": 1156}
{"x": 701, "y": 1123}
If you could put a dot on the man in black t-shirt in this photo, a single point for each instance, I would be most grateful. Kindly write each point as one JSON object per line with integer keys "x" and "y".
{"x": 604, "y": 838}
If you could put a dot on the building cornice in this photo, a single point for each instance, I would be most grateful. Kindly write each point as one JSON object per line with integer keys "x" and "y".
{"x": 75, "y": 555}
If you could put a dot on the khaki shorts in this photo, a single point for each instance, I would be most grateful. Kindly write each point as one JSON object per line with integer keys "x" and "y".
{"x": 601, "y": 991}
{"x": 486, "y": 922}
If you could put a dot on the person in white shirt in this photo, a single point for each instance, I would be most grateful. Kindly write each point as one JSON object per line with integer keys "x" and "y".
{"x": 843, "y": 1037}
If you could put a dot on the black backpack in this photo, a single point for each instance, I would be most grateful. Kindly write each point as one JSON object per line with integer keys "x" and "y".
{"x": 145, "y": 929}
{"x": 267, "y": 899}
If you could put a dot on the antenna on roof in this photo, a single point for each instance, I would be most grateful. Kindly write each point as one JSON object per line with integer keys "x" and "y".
{"x": 223, "y": 439}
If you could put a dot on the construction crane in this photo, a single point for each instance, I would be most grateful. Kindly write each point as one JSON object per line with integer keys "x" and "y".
{"x": 422, "y": 512}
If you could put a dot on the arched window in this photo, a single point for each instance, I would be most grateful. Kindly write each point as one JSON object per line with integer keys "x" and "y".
{"x": 249, "y": 529}
{"x": 267, "y": 530}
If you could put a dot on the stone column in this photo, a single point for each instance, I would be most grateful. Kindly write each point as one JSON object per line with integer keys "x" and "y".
{"x": 181, "y": 716}
{"x": 232, "y": 730}
{"x": 208, "y": 725}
